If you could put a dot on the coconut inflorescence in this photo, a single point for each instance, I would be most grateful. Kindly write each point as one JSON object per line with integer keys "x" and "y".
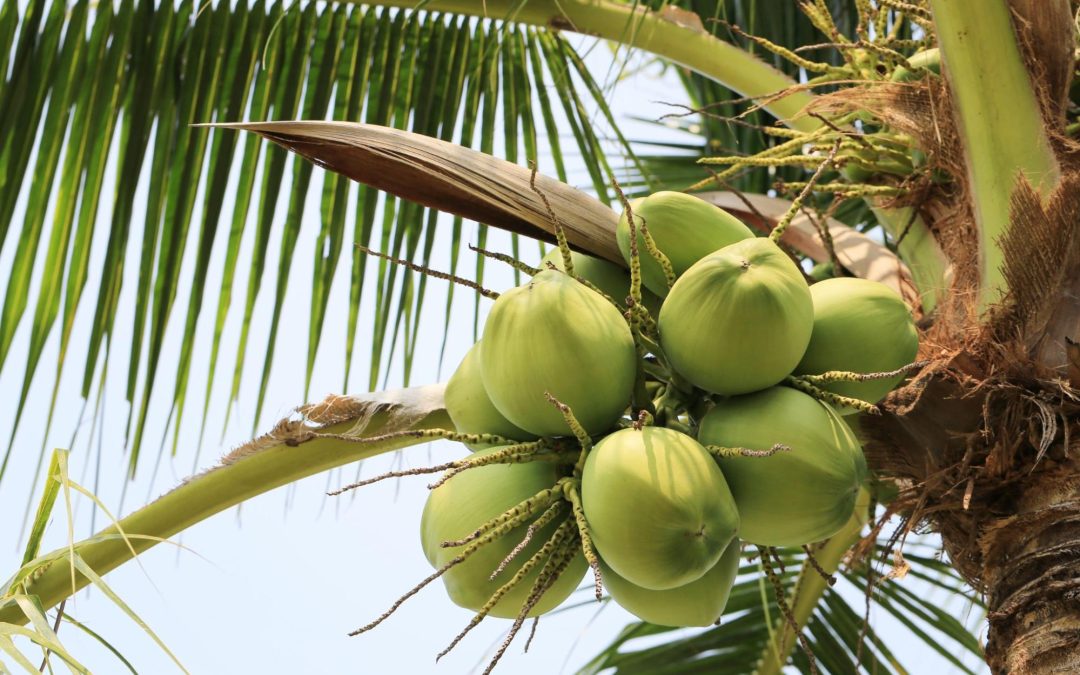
{"x": 648, "y": 439}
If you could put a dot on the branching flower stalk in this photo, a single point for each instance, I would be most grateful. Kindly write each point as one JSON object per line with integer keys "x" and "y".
{"x": 829, "y": 397}
{"x": 796, "y": 205}
{"x": 766, "y": 556}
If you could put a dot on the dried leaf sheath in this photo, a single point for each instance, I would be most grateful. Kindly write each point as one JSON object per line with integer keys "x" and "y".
{"x": 448, "y": 177}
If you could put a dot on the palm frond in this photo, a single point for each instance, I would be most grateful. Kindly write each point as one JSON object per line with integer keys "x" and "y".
{"x": 105, "y": 96}
{"x": 837, "y": 635}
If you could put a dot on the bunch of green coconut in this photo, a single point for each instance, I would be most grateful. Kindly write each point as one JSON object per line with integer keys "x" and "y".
{"x": 648, "y": 423}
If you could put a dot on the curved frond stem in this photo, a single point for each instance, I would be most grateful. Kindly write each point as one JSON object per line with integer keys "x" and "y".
{"x": 638, "y": 27}
{"x": 325, "y": 439}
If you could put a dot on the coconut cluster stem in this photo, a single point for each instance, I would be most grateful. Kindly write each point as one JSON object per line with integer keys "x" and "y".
{"x": 812, "y": 584}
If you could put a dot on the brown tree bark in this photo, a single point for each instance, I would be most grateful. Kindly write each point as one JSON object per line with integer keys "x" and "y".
{"x": 986, "y": 465}
{"x": 985, "y": 442}
{"x": 1032, "y": 576}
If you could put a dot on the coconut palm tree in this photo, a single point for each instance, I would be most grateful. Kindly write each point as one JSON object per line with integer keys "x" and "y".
{"x": 947, "y": 128}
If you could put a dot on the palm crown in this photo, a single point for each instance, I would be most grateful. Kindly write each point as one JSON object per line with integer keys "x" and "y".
{"x": 966, "y": 225}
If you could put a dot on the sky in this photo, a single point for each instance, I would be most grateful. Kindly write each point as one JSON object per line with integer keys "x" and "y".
{"x": 275, "y": 585}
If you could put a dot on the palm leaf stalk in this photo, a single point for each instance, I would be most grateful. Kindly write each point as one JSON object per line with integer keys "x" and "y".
{"x": 990, "y": 83}
{"x": 332, "y": 433}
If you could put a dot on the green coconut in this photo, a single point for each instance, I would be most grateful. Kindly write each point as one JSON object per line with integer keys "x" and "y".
{"x": 685, "y": 229}
{"x": 556, "y": 335}
{"x": 860, "y": 326}
{"x": 659, "y": 510}
{"x": 795, "y": 497}
{"x": 698, "y": 603}
{"x": 930, "y": 59}
{"x": 469, "y": 406}
{"x": 822, "y": 271}
{"x": 460, "y": 505}
{"x": 739, "y": 320}
{"x": 613, "y": 280}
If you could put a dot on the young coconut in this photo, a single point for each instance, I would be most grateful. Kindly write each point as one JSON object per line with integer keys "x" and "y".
{"x": 455, "y": 509}
{"x": 685, "y": 229}
{"x": 795, "y": 497}
{"x": 822, "y": 271}
{"x": 860, "y": 326}
{"x": 659, "y": 510}
{"x": 469, "y": 405}
{"x": 698, "y": 603}
{"x": 554, "y": 335}
{"x": 613, "y": 280}
{"x": 739, "y": 320}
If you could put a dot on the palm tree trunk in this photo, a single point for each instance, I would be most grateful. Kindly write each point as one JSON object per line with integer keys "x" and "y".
{"x": 1032, "y": 577}
{"x": 985, "y": 443}
{"x": 995, "y": 468}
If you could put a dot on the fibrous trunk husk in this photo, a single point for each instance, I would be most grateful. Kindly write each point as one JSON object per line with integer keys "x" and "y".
{"x": 985, "y": 442}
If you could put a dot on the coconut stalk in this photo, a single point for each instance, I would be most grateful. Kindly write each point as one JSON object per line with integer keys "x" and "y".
{"x": 809, "y": 589}
{"x": 325, "y": 435}
{"x": 999, "y": 120}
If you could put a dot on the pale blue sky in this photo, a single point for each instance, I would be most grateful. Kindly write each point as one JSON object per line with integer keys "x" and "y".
{"x": 275, "y": 586}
